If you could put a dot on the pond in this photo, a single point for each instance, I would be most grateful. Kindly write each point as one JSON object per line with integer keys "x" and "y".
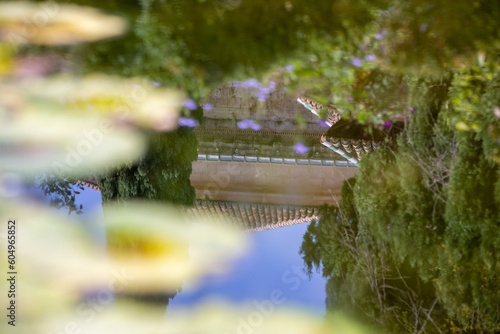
{"x": 237, "y": 166}
{"x": 272, "y": 263}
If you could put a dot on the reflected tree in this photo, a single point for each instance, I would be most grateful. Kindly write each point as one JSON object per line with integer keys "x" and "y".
{"x": 61, "y": 190}
{"x": 413, "y": 243}
{"x": 162, "y": 174}
{"x": 364, "y": 280}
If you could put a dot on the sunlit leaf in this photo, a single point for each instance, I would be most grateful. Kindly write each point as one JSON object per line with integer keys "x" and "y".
{"x": 462, "y": 126}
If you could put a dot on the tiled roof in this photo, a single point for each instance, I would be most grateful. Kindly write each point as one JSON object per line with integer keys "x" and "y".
{"x": 347, "y": 137}
{"x": 251, "y": 217}
{"x": 254, "y": 217}
{"x": 89, "y": 183}
{"x": 332, "y": 114}
{"x": 354, "y": 147}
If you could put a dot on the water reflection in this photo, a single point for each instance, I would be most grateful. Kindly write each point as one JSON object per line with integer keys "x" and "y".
{"x": 250, "y": 191}
{"x": 263, "y": 166}
{"x": 410, "y": 244}
{"x": 270, "y": 267}
{"x": 256, "y": 114}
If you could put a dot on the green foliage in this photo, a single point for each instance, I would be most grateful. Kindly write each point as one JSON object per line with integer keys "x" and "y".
{"x": 424, "y": 211}
{"x": 367, "y": 93}
{"x": 404, "y": 41}
{"x": 474, "y": 96}
{"x": 62, "y": 191}
{"x": 413, "y": 243}
{"x": 198, "y": 45}
{"x": 163, "y": 174}
{"x": 364, "y": 280}
{"x": 443, "y": 197}
{"x": 427, "y": 36}
{"x": 469, "y": 276}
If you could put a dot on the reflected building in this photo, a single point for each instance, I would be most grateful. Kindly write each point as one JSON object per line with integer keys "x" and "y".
{"x": 347, "y": 137}
{"x": 255, "y": 178}
{"x": 253, "y": 217}
{"x": 250, "y": 217}
{"x": 89, "y": 182}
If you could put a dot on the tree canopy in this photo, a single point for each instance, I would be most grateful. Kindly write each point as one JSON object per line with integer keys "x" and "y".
{"x": 414, "y": 241}
{"x": 163, "y": 174}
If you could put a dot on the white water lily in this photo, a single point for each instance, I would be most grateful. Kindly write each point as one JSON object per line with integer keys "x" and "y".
{"x": 133, "y": 100}
{"x": 217, "y": 317}
{"x": 80, "y": 126}
{"x": 151, "y": 248}
{"x": 162, "y": 249}
{"x": 53, "y": 261}
{"x": 69, "y": 144}
{"x": 51, "y": 23}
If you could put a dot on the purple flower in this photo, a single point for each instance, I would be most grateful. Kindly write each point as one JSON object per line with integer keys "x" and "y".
{"x": 245, "y": 124}
{"x": 289, "y": 68}
{"x": 357, "y": 62}
{"x": 264, "y": 90}
{"x": 322, "y": 123}
{"x": 413, "y": 110}
{"x": 256, "y": 127}
{"x": 248, "y": 123}
{"x": 207, "y": 106}
{"x": 349, "y": 99}
{"x": 261, "y": 92}
{"x": 156, "y": 83}
{"x": 188, "y": 122}
{"x": 251, "y": 83}
{"x": 387, "y": 125}
{"x": 371, "y": 58}
{"x": 190, "y": 104}
{"x": 381, "y": 34}
{"x": 423, "y": 27}
{"x": 301, "y": 148}
{"x": 262, "y": 96}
